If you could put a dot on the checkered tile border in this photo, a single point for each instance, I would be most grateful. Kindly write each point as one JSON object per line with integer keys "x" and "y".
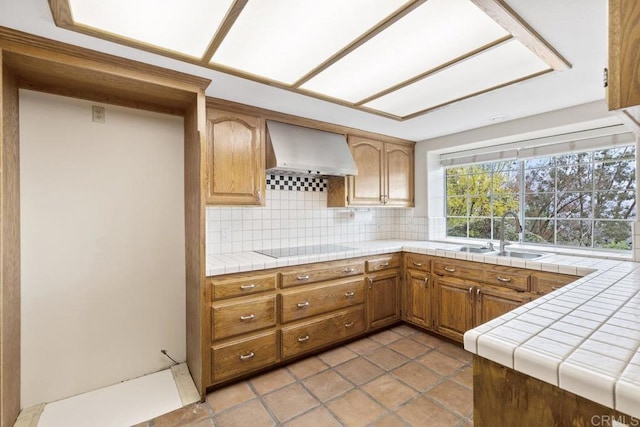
{"x": 296, "y": 183}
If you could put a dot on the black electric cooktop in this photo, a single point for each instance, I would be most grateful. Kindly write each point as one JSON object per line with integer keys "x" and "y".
{"x": 303, "y": 250}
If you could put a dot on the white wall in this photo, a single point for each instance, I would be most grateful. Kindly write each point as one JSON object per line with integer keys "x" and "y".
{"x": 102, "y": 223}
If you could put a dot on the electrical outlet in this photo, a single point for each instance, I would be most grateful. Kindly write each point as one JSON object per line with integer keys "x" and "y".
{"x": 97, "y": 114}
{"x": 225, "y": 235}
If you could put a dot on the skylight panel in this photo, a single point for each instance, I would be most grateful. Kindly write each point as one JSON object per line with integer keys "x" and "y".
{"x": 186, "y": 27}
{"x": 503, "y": 64}
{"x": 435, "y": 33}
{"x": 283, "y": 40}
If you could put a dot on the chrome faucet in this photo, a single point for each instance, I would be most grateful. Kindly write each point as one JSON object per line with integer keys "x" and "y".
{"x": 518, "y": 228}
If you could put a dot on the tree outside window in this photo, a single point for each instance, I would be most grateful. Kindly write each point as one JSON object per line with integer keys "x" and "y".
{"x": 582, "y": 199}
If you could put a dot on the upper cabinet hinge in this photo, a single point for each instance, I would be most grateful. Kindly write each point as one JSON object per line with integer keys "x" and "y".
{"x": 605, "y": 77}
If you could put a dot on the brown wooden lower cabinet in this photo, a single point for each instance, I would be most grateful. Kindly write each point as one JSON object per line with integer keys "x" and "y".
{"x": 418, "y": 298}
{"x": 242, "y": 356}
{"x": 491, "y": 303}
{"x": 383, "y": 300}
{"x": 308, "y": 336}
{"x": 454, "y": 306}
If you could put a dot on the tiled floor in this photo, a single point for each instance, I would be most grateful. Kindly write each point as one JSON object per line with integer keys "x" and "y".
{"x": 399, "y": 377}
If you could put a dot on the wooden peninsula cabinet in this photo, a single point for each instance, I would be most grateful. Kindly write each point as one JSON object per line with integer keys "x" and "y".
{"x": 235, "y": 159}
{"x": 385, "y": 176}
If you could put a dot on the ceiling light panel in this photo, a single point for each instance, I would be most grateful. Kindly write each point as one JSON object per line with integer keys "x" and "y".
{"x": 185, "y": 26}
{"x": 503, "y": 64}
{"x": 435, "y": 33}
{"x": 283, "y": 40}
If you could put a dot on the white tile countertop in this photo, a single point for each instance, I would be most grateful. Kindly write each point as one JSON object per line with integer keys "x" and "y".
{"x": 584, "y": 337}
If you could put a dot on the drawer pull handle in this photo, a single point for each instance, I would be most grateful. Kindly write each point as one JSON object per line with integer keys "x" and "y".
{"x": 450, "y": 269}
{"x": 348, "y": 325}
{"x": 248, "y": 317}
{"x": 384, "y": 264}
{"x": 417, "y": 264}
{"x": 247, "y": 356}
{"x": 303, "y": 339}
{"x": 305, "y": 277}
{"x": 503, "y": 279}
{"x": 349, "y": 294}
{"x": 245, "y": 287}
{"x": 303, "y": 304}
{"x": 349, "y": 270}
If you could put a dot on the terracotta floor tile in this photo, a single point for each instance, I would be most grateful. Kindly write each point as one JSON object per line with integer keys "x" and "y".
{"x": 364, "y": 346}
{"x": 405, "y": 330}
{"x": 230, "y": 396}
{"x": 337, "y": 356}
{"x": 355, "y": 409}
{"x": 390, "y": 420}
{"x": 184, "y": 416}
{"x": 320, "y": 417}
{"x": 290, "y": 401}
{"x": 389, "y": 392}
{"x": 409, "y": 348}
{"x": 440, "y": 362}
{"x": 386, "y": 359}
{"x": 251, "y": 413}
{"x": 464, "y": 376}
{"x": 456, "y": 352}
{"x": 454, "y": 396}
{"x": 417, "y": 376}
{"x": 327, "y": 385}
{"x": 307, "y": 367}
{"x": 428, "y": 340}
{"x": 271, "y": 381}
{"x": 359, "y": 371}
{"x": 423, "y": 412}
{"x": 386, "y": 337}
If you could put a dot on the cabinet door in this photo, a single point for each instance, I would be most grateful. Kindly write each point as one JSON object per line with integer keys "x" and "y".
{"x": 235, "y": 159}
{"x": 418, "y": 298}
{"x": 367, "y": 187}
{"x": 383, "y": 299}
{"x": 454, "y": 302}
{"x": 399, "y": 175}
{"x": 491, "y": 303}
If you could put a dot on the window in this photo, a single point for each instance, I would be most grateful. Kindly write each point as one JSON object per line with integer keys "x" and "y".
{"x": 584, "y": 199}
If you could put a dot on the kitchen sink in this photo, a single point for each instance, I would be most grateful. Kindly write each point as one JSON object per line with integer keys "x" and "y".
{"x": 476, "y": 249}
{"x": 523, "y": 255}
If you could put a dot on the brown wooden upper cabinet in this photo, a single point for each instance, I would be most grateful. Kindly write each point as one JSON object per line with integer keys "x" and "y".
{"x": 623, "y": 86}
{"x": 385, "y": 176}
{"x": 235, "y": 159}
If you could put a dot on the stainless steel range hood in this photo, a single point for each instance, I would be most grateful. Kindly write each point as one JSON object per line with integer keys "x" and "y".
{"x": 303, "y": 151}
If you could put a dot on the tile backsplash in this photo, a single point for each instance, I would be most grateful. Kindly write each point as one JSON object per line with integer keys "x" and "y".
{"x": 300, "y": 217}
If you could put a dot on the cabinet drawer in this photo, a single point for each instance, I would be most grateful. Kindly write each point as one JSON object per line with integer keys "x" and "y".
{"x": 241, "y": 284}
{"x": 457, "y": 269}
{"x": 418, "y": 262}
{"x": 304, "y": 275}
{"x": 543, "y": 283}
{"x": 243, "y": 356}
{"x": 507, "y": 277}
{"x": 314, "y": 300}
{"x": 309, "y": 336}
{"x": 383, "y": 262}
{"x": 234, "y": 318}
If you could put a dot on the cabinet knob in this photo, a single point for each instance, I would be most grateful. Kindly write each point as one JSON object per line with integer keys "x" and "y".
{"x": 248, "y": 317}
{"x": 305, "y": 277}
{"x": 303, "y": 339}
{"x": 349, "y": 294}
{"x": 303, "y": 304}
{"x": 246, "y": 287}
{"x": 348, "y": 325}
{"x": 247, "y": 356}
